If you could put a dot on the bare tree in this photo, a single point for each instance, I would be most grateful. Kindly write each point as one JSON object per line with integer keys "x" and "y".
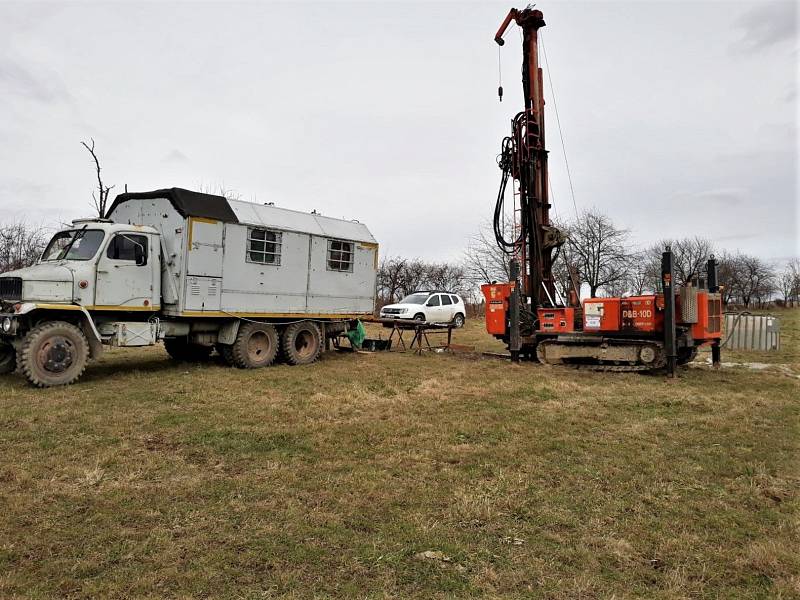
{"x": 729, "y": 273}
{"x": 789, "y": 282}
{"x": 100, "y": 203}
{"x": 414, "y": 276}
{"x": 484, "y": 261}
{"x": 21, "y": 245}
{"x": 638, "y": 278}
{"x": 747, "y": 279}
{"x": 599, "y": 248}
{"x": 448, "y": 277}
{"x": 390, "y": 278}
{"x": 785, "y": 285}
{"x": 689, "y": 256}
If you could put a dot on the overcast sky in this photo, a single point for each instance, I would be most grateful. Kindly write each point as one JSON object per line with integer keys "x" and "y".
{"x": 680, "y": 118}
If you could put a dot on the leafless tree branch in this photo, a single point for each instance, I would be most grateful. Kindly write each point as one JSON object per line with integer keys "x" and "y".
{"x": 100, "y": 204}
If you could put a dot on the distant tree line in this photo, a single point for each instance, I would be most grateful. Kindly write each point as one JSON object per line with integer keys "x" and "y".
{"x": 21, "y": 245}
{"x": 398, "y": 277}
{"x": 598, "y": 254}
{"x": 602, "y": 256}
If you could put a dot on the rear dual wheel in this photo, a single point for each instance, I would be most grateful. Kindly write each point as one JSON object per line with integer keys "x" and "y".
{"x": 256, "y": 346}
{"x": 302, "y": 343}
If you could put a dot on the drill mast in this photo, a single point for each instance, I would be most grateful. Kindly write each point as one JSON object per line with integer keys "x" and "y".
{"x": 524, "y": 159}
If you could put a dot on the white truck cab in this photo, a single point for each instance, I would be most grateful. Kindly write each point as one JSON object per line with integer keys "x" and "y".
{"x": 97, "y": 263}
{"x": 193, "y": 270}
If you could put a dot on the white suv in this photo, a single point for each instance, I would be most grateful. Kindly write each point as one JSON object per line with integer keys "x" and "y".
{"x": 433, "y": 307}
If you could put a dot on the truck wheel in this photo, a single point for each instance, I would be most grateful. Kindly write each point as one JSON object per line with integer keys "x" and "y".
{"x": 180, "y": 349}
{"x": 226, "y": 352}
{"x": 54, "y": 353}
{"x": 256, "y": 346}
{"x": 302, "y": 343}
{"x": 8, "y": 359}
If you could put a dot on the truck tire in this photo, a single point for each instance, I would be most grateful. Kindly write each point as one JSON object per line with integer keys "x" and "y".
{"x": 302, "y": 343}
{"x": 54, "y": 353}
{"x": 181, "y": 350}
{"x": 256, "y": 346}
{"x": 8, "y": 359}
{"x": 226, "y": 352}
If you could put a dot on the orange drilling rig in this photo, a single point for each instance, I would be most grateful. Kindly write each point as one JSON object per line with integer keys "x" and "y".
{"x": 640, "y": 333}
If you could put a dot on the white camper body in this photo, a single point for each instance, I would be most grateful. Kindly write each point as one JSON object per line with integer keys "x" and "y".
{"x": 214, "y": 268}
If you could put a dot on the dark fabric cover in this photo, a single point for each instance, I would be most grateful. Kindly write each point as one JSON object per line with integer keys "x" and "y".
{"x": 186, "y": 202}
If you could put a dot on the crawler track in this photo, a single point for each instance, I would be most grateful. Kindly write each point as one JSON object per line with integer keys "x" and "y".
{"x": 591, "y": 364}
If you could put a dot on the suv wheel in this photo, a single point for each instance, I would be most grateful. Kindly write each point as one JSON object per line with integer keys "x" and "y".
{"x": 458, "y": 320}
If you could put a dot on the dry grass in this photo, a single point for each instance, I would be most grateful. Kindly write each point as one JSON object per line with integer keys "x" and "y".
{"x": 151, "y": 478}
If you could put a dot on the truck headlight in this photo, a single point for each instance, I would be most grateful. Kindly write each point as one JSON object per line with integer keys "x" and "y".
{"x": 7, "y": 324}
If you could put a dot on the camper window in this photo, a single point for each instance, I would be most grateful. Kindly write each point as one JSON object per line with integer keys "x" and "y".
{"x": 263, "y": 246}
{"x": 340, "y": 256}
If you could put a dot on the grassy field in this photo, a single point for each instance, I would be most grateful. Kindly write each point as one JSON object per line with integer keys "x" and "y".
{"x": 393, "y": 475}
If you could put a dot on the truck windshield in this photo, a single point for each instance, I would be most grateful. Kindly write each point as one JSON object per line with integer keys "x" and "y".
{"x": 74, "y": 244}
{"x": 415, "y": 299}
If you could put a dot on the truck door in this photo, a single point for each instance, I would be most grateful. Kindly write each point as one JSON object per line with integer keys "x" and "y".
{"x": 204, "y": 258}
{"x": 204, "y": 264}
{"x": 125, "y": 272}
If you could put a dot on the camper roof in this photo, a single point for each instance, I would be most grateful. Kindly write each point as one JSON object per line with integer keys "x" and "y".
{"x": 267, "y": 215}
{"x": 186, "y": 202}
{"x": 196, "y": 204}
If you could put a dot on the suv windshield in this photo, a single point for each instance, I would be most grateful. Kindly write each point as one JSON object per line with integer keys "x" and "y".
{"x": 414, "y": 299}
{"x": 74, "y": 244}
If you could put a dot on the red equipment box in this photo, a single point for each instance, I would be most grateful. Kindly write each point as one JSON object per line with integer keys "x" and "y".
{"x": 496, "y": 295}
{"x": 642, "y": 313}
{"x": 556, "y": 320}
{"x": 601, "y": 314}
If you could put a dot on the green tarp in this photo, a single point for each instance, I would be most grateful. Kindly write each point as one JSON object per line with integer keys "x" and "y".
{"x": 357, "y": 335}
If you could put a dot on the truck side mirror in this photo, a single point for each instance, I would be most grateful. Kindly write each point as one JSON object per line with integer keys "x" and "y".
{"x": 138, "y": 254}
